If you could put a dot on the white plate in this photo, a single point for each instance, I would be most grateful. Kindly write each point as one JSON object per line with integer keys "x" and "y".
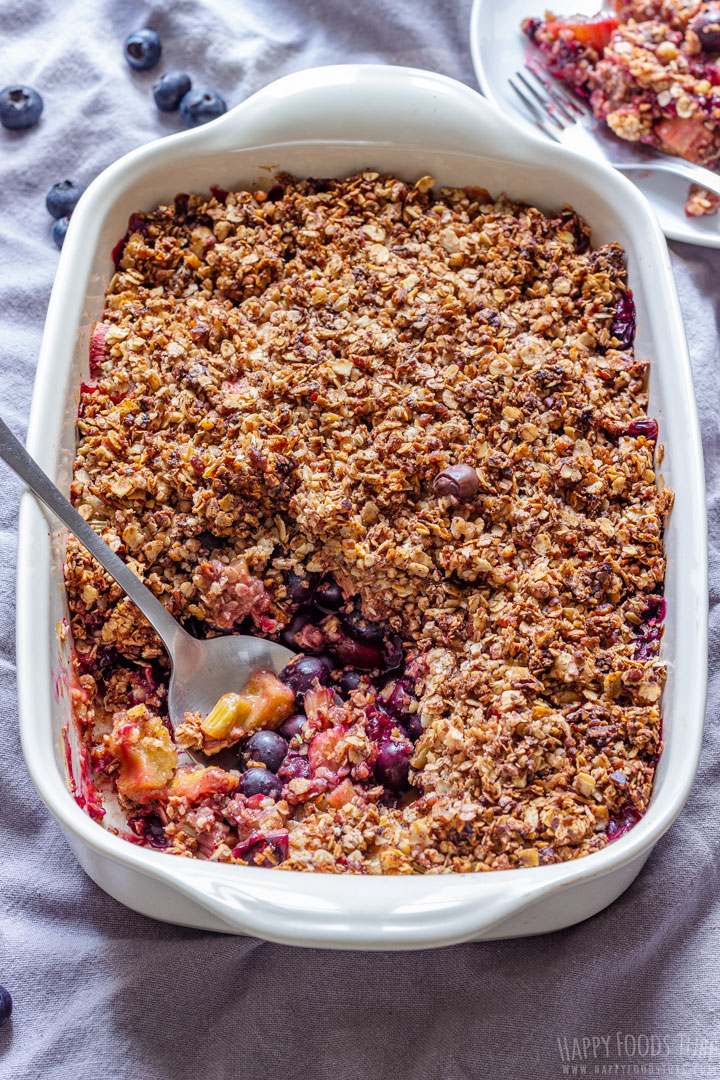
{"x": 499, "y": 48}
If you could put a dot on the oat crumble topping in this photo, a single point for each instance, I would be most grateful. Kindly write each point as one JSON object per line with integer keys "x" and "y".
{"x": 292, "y": 393}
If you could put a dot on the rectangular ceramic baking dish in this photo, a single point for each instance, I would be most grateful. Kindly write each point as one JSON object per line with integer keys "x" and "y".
{"x": 330, "y": 122}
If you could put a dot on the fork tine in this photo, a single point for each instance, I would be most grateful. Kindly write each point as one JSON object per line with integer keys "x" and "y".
{"x": 561, "y": 103}
{"x": 556, "y": 88}
{"x": 545, "y": 105}
{"x": 535, "y": 113}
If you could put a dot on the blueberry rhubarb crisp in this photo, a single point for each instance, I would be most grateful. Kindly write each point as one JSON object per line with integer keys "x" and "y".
{"x": 651, "y": 71}
{"x": 403, "y": 431}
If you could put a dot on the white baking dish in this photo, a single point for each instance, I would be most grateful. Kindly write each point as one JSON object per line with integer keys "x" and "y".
{"x": 333, "y": 121}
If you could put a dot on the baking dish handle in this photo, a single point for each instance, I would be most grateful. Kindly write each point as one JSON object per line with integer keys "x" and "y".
{"x": 322, "y": 104}
{"x": 350, "y": 912}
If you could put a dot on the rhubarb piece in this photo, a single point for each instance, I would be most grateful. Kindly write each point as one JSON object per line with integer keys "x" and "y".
{"x": 686, "y": 138}
{"x": 343, "y": 793}
{"x": 328, "y": 750}
{"x": 98, "y": 348}
{"x": 595, "y": 32}
{"x": 230, "y": 593}
{"x": 264, "y": 703}
{"x": 198, "y": 784}
{"x": 623, "y": 325}
{"x": 144, "y": 748}
{"x": 231, "y": 711}
{"x": 318, "y": 703}
{"x": 644, "y": 426}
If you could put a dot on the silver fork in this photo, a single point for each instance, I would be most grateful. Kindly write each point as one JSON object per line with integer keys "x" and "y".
{"x": 568, "y": 120}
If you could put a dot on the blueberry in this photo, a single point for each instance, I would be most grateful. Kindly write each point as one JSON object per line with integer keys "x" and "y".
{"x": 354, "y": 653}
{"x": 301, "y": 674}
{"x": 413, "y": 723}
{"x": 328, "y": 596}
{"x": 142, "y": 49}
{"x": 393, "y": 763}
{"x": 392, "y": 652}
{"x": 259, "y": 781}
{"x": 312, "y": 640}
{"x": 292, "y": 726}
{"x": 707, "y": 27}
{"x": 5, "y": 1005}
{"x": 622, "y": 326}
{"x": 350, "y": 680}
{"x": 363, "y": 630}
{"x": 170, "y": 90}
{"x": 396, "y": 699}
{"x": 300, "y": 589}
{"x": 60, "y": 227}
{"x": 20, "y": 107}
{"x": 267, "y": 747}
{"x": 62, "y": 198}
{"x": 199, "y": 106}
{"x": 151, "y": 829}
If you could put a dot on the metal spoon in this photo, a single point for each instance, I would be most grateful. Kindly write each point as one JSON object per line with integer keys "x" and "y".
{"x": 201, "y": 671}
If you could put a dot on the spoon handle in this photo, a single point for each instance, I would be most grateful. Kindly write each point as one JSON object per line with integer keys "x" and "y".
{"x": 14, "y": 454}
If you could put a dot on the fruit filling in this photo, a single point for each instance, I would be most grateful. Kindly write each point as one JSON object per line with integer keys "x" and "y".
{"x": 403, "y": 431}
{"x": 651, "y": 72}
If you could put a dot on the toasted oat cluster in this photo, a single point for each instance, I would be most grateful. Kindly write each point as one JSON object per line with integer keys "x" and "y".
{"x": 651, "y": 71}
{"x": 404, "y": 432}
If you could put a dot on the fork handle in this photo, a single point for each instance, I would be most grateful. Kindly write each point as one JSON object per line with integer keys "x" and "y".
{"x": 696, "y": 174}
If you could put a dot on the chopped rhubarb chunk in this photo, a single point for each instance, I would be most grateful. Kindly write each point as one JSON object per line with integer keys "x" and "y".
{"x": 264, "y": 703}
{"x": 98, "y": 348}
{"x": 342, "y": 794}
{"x": 328, "y": 750}
{"x": 595, "y": 33}
{"x": 143, "y": 746}
{"x": 686, "y": 138}
{"x": 231, "y": 710}
{"x": 197, "y": 784}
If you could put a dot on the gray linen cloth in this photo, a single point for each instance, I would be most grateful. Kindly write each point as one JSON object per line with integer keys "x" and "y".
{"x": 101, "y": 991}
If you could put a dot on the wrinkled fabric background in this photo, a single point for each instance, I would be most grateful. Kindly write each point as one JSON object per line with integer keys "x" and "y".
{"x": 100, "y": 991}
